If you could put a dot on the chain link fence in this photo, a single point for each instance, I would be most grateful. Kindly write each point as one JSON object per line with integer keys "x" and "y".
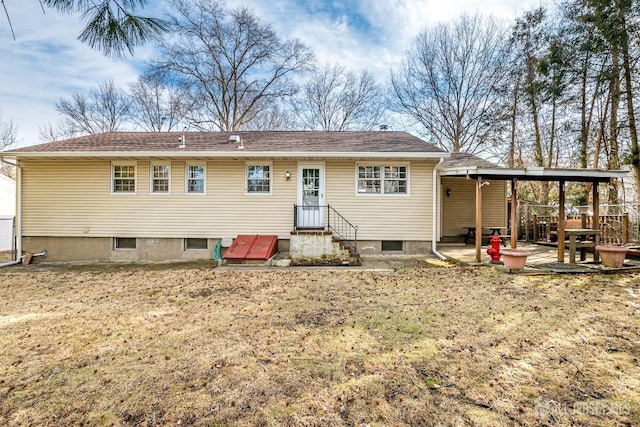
{"x": 7, "y": 240}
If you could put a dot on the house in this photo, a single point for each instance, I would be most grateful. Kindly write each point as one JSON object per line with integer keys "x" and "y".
{"x": 459, "y": 193}
{"x": 171, "y": 196}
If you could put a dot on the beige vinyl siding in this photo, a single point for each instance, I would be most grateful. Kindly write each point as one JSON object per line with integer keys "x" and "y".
{"x": 458, "y": 210}
{"x": 74, "y": 199}
{"x": 383, "y": 217}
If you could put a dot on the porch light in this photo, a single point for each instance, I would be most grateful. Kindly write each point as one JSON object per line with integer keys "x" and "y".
{"x": 287, "y": 175}
{"x": 448, "y": 192}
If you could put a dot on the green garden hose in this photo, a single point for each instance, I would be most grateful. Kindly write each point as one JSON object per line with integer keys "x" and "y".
{"x": 215, "y": 254}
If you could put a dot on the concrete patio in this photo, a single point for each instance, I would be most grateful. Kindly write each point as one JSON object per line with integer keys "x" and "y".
{"x": 543, "y": 258}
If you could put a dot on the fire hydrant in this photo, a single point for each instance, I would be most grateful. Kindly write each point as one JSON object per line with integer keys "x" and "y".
{"x": 494, "y": 250}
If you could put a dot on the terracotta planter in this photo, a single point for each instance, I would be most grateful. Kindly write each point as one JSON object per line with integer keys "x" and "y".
{"x": 514, "y": 258}
{"x": 612, "y": 256}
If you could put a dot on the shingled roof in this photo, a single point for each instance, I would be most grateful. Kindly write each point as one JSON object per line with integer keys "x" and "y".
{"x": 218, "y": 143}
{"x": 464, "y": 160}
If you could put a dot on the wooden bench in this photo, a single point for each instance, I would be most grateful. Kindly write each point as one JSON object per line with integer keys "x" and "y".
{"x": 569, "y": 223}
{"x": 485, "y": 236}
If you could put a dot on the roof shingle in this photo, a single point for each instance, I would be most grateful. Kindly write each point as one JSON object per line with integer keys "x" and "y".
{"x": 252, "y": 141}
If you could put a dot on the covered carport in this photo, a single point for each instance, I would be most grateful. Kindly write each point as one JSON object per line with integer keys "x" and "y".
{"x": 481, "y": 175}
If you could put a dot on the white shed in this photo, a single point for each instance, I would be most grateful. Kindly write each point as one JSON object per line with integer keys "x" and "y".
{"x": 7, "y": 196}
{"x": 7, "y": 211}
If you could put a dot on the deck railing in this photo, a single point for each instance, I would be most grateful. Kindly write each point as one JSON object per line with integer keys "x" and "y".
{"x": 326, "y": 218}
{"x": 613, "y": 228}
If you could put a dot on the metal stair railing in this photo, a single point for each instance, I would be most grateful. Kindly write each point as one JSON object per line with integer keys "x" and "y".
{"x": 342, "y": 228}
{"x": 333, "y": 221}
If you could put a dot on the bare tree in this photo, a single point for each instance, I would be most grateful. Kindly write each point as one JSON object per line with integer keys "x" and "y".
{"x": 8, "y": 133}
{"x": 334, "y": 99}
{"x": 275, "y": 117}
{"x": 448, "y": 78}
{"x": 55, "y": 131}
{"x": 154, "y": 105}
{"x": 231, "y": 65}
{"x": 104, "y": 109}
{"x": 8, "y": 137}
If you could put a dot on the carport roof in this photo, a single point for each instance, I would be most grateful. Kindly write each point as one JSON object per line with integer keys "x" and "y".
{"x": 485, "y": 171}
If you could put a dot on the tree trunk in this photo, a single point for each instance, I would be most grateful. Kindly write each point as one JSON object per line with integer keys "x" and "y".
{"x": 552, "y": 136}
{"x": 614, "y": 148}
{"x": 514, "y": 113}
{"x": 539, "y": 157}
{"x": 635, "y": 150}
{"x": 600, "y": 140}
{"x": 584, "y": 125}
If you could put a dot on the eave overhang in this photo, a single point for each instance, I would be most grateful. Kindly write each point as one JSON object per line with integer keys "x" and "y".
{"x": 536, "y": 174}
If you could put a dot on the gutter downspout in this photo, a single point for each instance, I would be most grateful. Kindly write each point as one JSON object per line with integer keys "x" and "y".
{"x": 18, "y": 205}
{"x": 436, "y": 203}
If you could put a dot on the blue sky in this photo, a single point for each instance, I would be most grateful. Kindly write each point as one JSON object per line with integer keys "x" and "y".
{"x": 47, "y": 62}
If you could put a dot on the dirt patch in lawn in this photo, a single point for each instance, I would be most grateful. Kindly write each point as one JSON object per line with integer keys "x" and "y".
{"x": 413, "y": 345}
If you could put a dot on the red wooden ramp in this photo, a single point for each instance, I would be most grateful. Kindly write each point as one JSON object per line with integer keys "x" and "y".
{"x": 252, "y": 247}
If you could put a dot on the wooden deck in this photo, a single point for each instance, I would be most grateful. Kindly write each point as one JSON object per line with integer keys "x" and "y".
{"x": 543, "y": 258}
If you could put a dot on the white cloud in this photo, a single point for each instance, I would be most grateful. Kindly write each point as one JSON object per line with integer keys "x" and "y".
{"x": 47, "y": 62}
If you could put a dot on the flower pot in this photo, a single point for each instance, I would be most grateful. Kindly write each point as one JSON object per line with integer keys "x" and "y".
{"x": 514, "y": 258}
{"x": 612, "y": 256}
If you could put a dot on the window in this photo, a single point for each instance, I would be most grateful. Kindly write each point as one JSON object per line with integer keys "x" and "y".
{"x": 382, "y": 179}
{"x": 195, "y": 179}
{"x": 190, "y": 244}
{"x": 368, "y": 179}
{"x": 123, "y": 178}
{"x": 259, "y": 179}
{"x": 392, "y": 246}
{"x": 395, "y": 179}
{"x": 124, "y": 243}
{"x": 160, "y": 179}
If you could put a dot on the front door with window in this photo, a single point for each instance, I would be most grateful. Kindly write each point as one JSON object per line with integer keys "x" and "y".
{"x": 310, "y": 196}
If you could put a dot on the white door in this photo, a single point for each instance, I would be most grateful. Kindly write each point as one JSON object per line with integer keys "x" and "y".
{"x": 310, "y": 212}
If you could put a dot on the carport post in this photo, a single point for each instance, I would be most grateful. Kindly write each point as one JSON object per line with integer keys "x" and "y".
{"x": 514, "y": 212}
{"x": 479, "y": 219}
{"x": 561, "y": 221}
{"x": 595, "y": 223}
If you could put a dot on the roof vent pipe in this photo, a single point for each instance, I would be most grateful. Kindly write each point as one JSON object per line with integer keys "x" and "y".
{"x": 182, "y": 141}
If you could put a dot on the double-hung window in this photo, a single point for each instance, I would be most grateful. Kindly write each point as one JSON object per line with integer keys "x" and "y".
{"x": 195, "y": 179}
{"x": 382, "y": 179}
{"x": 123, "y": 178}
{"x": 369, "y": 179}
{"x": 258, "y": 179}
{"x": 395, "y": 180}
{"x": 160, "y": 178}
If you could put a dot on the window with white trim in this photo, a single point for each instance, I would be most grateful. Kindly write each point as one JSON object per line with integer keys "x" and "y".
{"x": 382, "y": 179}
{"x": 369, "y": 179}
{"x": 160, "y": 178}
{"x": 123, "y": 178}
{"x": 195, "y": 179}
{"x": 259, "y": 179}
{"x": 395, "y": 180}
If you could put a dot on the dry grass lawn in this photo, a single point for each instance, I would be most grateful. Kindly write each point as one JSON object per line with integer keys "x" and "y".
{"x": 421, "y": 345}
